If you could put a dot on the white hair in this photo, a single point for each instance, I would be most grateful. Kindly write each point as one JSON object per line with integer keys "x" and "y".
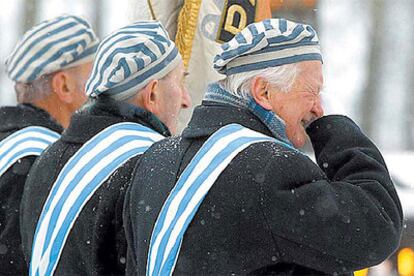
{"x": 36, "y": 90}
{"x": 282, "y": 77}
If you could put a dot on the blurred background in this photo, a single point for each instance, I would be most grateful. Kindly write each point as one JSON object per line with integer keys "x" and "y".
{"x": 368, "y": 70}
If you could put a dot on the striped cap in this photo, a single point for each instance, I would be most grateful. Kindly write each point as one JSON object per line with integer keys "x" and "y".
{"x": 130, "y": 58}
{"x": 269, "y": 43}
{"x": 55, "y": 44}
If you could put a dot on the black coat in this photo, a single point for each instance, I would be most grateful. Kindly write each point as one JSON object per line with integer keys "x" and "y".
{"x": 96, "y": 243}
{"x": 12, "y": 119}
{"x": 272, "y": 210}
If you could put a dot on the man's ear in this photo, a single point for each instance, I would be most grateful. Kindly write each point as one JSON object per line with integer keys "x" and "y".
{"x": 260, "y": 93}
{"x": 61, "y": 87}
{"x": 148, "y": 97}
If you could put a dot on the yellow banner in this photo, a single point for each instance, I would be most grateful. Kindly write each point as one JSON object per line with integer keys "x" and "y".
{"x": 202, "y": 26}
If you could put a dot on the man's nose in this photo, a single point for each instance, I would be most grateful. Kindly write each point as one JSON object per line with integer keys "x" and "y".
{"x": 186, "y": 99}
{"x": 317, "y": 109}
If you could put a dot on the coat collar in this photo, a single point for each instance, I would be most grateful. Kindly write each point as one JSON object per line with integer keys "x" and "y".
{"x": 210, "y": 116}
{"x": 102, "y": 113}
{"x": 17, "y": 117}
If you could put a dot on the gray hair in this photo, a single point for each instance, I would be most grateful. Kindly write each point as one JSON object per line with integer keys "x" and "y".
{"x": 281, "y": 77}
{"x": 36, "y": 90}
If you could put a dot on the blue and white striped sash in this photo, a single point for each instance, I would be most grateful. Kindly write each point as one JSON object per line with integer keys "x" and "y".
{"x": 28, "y": 141}
{"x": 191, "y": 188}
{"x": 82, "y": 175}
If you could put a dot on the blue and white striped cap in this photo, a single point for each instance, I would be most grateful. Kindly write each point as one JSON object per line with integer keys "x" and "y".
{"x": 269, "y": 43}
{"x": 55, "y": 44}
{"x": 130, "y": 58}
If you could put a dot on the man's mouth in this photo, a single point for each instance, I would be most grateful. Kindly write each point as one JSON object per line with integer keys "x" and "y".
{"x": 305, "y": 123}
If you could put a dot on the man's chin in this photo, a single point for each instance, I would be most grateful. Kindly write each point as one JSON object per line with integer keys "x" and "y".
{"x": 299, "y": 141}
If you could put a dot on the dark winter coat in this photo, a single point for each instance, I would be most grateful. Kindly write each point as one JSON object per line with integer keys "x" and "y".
{"x": 272, "y": 210}
{"x": 12, "y": 119}
{"x": 96, "y": 244}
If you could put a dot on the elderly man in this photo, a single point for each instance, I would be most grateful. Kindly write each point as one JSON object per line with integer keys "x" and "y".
{"x": 233, "y": 195}
{"x": 49, "y": 66}
{"x": 72, "y": 206}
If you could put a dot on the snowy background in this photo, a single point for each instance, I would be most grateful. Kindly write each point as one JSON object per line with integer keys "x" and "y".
{"x": 368, "y": 62}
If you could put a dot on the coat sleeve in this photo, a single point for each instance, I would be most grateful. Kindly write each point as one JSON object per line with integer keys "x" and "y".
{"x": 340, "y": 215}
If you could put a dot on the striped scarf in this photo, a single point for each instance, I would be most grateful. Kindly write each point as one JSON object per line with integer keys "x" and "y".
{"x": 274, "y": 123}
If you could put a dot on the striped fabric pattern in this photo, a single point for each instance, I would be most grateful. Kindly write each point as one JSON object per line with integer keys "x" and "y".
{"x": 269, "y": 43}
{"x": 193, "y": 185}
{"x": 28, "y": 141}
{"x": 82, "y": 175}
{"x": 131, "y": 57}
{"x": 50, "y": 46}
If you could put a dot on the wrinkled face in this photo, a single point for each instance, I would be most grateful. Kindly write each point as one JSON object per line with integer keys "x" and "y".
{"x": 173, "y": 98}
{"x": 302, "y": 104}
{"x": 79, "y": 76}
